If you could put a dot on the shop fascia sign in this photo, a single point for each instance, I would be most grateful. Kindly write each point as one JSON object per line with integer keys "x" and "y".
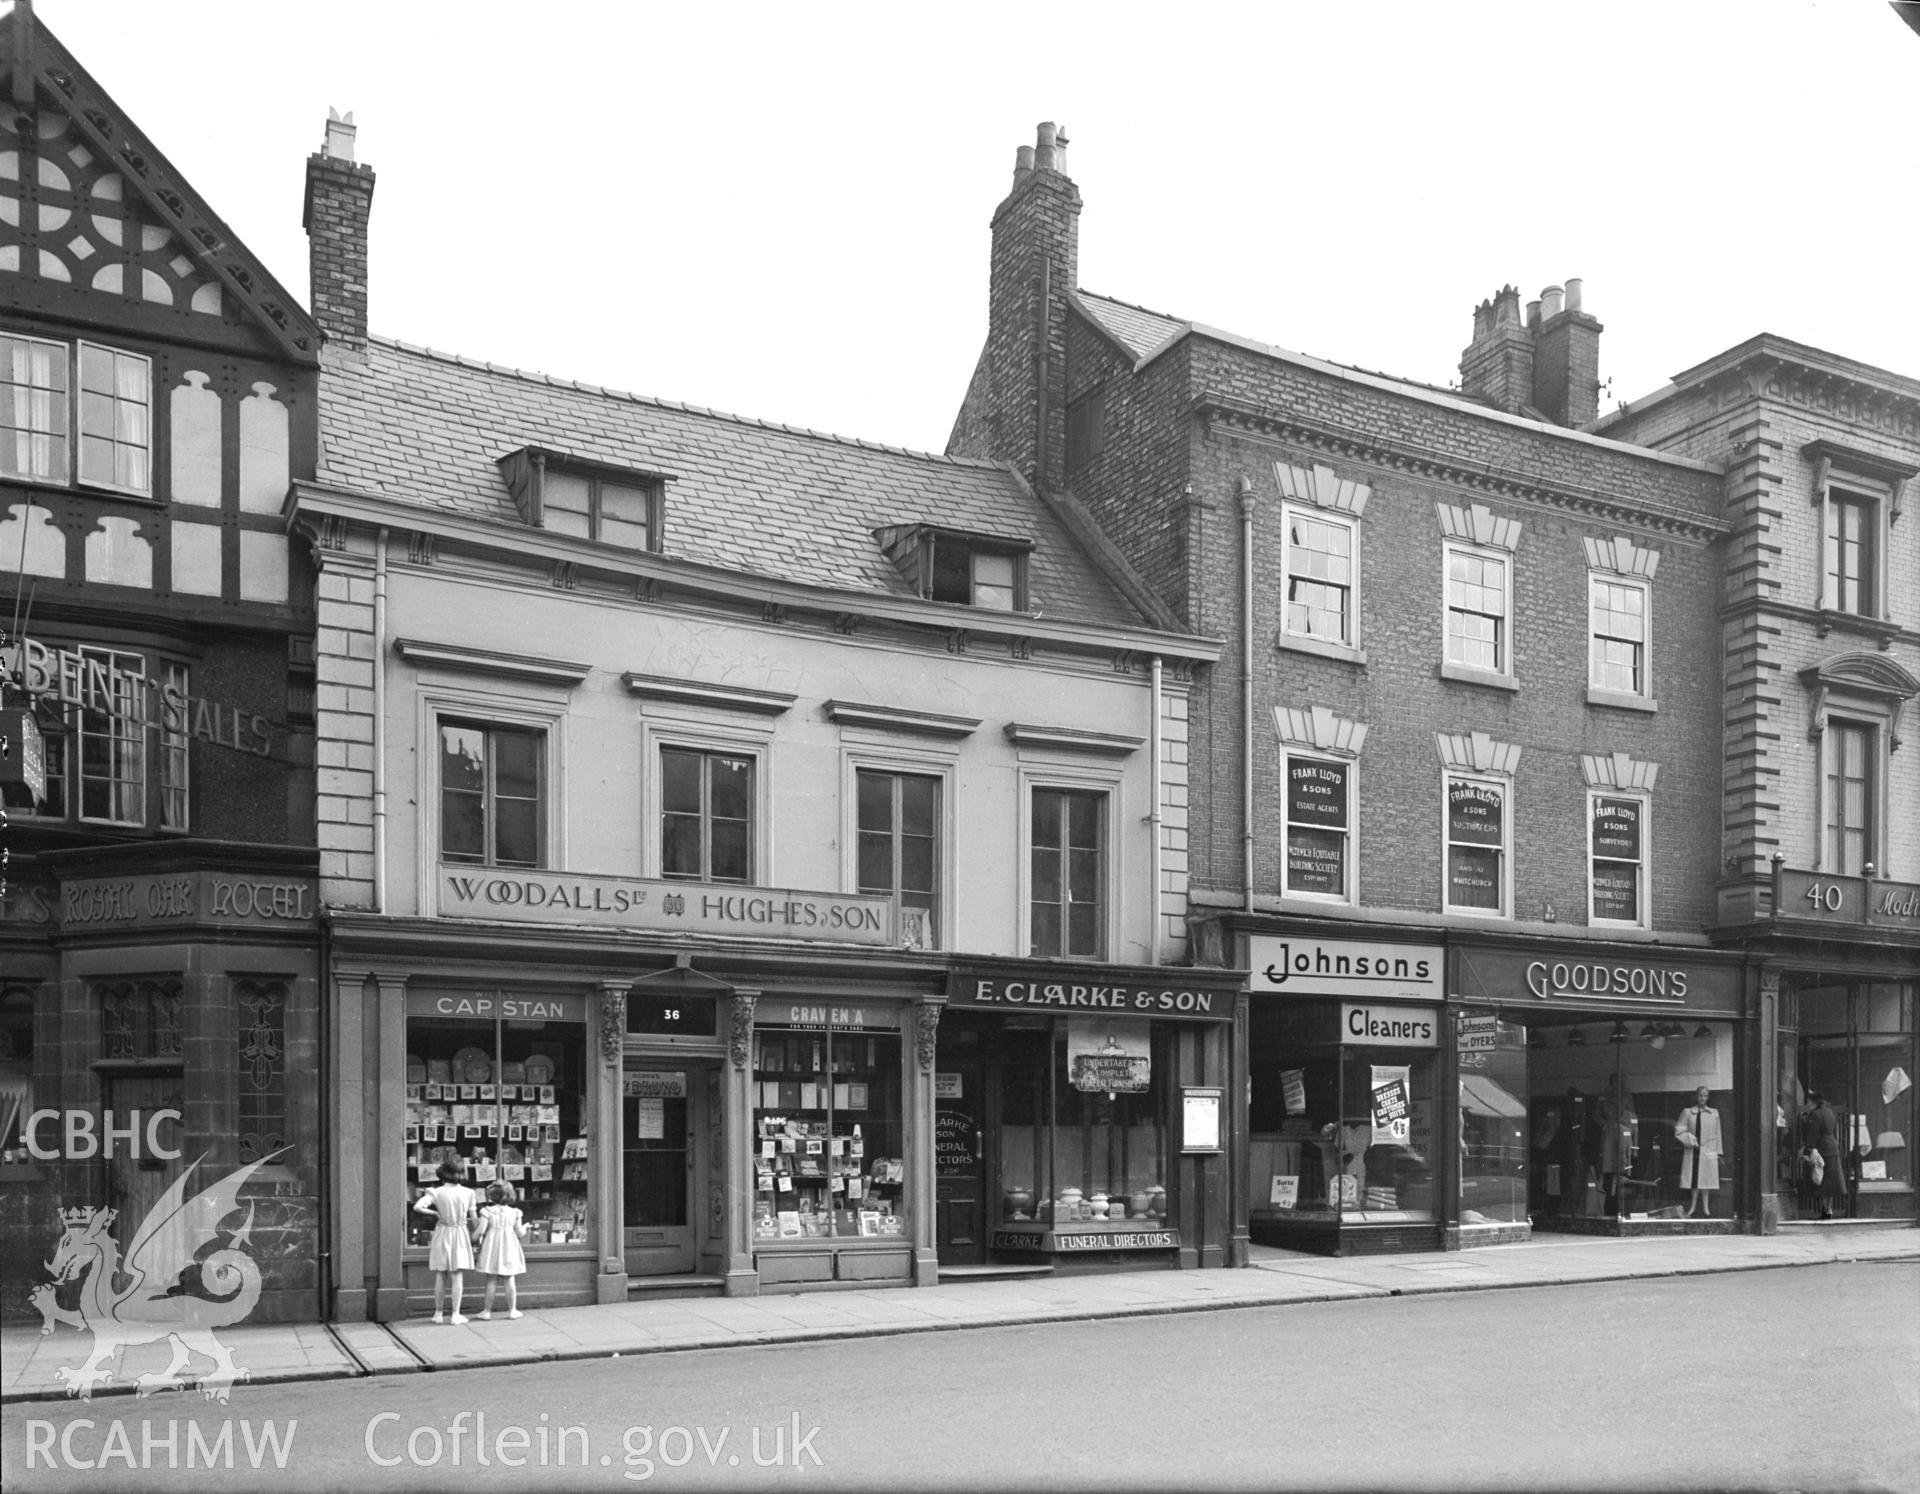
{"x": 1495, "y": 976}
{"x": 206, "y": 897}
{"x": 1367, "y": 968}
{"x": 652, "y": 906}
{"x": 66, "y": 677}
{"x": 1051, "y": 991}
{"x": 1070, "y": 1241}
{"x": 1845, "y": 900}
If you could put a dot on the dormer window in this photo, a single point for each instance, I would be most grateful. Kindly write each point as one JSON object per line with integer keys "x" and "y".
{"x": 591, "y": 501}
{"x": 956, "y": 565}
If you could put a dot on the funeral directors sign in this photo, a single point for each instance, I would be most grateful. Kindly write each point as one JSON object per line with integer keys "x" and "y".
{"x": 661, "y": 907}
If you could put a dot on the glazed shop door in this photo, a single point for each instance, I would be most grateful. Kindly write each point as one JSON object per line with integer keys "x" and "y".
{"x": 959, "y": 1112}
{"x": 665, "y": 1162}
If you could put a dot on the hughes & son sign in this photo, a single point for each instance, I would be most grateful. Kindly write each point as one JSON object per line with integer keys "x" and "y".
{"x": 661, "y": 906}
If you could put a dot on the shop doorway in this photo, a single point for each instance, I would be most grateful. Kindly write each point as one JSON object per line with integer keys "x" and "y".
{"x": 960, "y": 1185}
{"x": 672, "y": 1206}
{"x": 136, "y": 1179}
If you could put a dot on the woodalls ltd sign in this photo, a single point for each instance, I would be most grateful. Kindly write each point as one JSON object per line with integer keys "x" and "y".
{"x": 662, "y": 906}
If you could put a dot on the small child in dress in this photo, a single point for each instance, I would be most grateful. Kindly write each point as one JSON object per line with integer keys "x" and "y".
{"x": 450, "y": 1253}
{"x": 501, "y": 1254}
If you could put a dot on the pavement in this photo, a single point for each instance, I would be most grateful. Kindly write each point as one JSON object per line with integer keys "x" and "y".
{"x": 279, "y": 1352}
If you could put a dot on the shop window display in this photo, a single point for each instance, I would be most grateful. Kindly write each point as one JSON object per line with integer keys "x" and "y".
{"x": 828, "y": 1133}
{"x": 1340, "y": 1133}
{"x": 507, "y": 1097}
{"x": 1615, "y": 1120}
{"x": 1081, "y": 1135}
{"x": 1854, "y": 1049}
{"x": 1494, "y": 1139}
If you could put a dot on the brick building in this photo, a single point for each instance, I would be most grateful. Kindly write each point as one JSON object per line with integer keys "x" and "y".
{"x": 1819, "y": 846}
{"x": 159, "y": 946}
{"x": 1456, "y": 779}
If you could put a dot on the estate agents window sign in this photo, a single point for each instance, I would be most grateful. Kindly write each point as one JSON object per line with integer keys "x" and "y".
{"x": 1317, "y": 818}
{"x": 1616, "y": 858}
{"x": 1476, "y": 833}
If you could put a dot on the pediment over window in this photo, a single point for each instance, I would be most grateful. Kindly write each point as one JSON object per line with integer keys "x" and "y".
{"x": 1860, "y": 676}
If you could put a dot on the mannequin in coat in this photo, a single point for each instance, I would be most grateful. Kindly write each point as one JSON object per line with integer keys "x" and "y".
{"x": 1698, "y": 1132}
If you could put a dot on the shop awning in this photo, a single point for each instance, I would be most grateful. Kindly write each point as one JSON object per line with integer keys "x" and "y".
{"x": 1482, "y": 1096}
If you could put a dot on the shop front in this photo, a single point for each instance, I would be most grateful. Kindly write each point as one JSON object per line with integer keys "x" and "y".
{"x": 1081, "y": 1116}
{"x": 1346, "y": 1093}
{"x": 1599, "y": 1090}
{"x": 158, "y": 1028}
{"x": 1838, "y": 989}
{"x": 672, "y": 1115}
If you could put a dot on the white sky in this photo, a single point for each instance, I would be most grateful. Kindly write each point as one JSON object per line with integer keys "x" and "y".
{"x": 781, "y": 210}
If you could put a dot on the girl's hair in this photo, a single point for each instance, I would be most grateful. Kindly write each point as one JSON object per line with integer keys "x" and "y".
{"x": 453, "y": 1170}
{"x": 500, "y": 1193}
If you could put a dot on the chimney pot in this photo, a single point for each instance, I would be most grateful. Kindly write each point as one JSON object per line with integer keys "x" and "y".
{"x": 1022, "y": 164}
{"x": 340, "y": 133}
{"x": 1533, "y": 313}
{"x": 1043, "y": 148}
{"x": 1551, "y": 300}
{"x": 1573, "y": 295}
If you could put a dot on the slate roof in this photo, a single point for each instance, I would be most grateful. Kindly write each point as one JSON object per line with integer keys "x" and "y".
{"x": 427, "y": 428}
{"x": 1141, "y": 331}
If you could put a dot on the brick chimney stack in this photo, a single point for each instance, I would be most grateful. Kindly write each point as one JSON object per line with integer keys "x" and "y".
{"x": 1566, "y": 358}
{"x": 1497, "y": 365}
{"x": 1015, "y": 410}
{"x": 339, "y": 201}
{"x": 1546, "y": 366}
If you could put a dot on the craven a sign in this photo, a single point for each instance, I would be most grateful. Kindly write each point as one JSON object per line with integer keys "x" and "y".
{"x": 656, "y": 907}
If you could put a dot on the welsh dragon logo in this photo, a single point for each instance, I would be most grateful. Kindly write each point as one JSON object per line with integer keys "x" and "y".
{"x": 153, "y": 1304}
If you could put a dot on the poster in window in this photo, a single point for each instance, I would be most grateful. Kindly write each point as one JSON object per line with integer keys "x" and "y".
{"x": 1475, "y": 814}
{"x": 1316, "y": 861}
{"x": 1111, "y": 1056}
{"x": 1616, "y": 891}
{"x": 1616, "y": 829}
{"x": 1473, "y": 877}
{"x": 1317, "y": 794}
{"x": 1392, "y": 1108}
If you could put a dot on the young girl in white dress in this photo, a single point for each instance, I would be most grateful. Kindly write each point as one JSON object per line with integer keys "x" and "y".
{"x": 450, "y": 1252}
{"x": 501, "y": 1255}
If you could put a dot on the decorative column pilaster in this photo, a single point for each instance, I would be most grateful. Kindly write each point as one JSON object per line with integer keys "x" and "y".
{"x": 384, "y": 1114}
{"x": 736, "y": 1075}
{"x": 603, "y": 1145}
{"x": 920, "y": 1165}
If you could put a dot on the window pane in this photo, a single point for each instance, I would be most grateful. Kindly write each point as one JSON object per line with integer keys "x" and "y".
{"x": 993, "y": 582}
{"x": 919, "y": 800}
{"x": 680, "y": 781}
{"x": 516, "y": 765}
{"x": 463, "y": 826}
{"x": 1083, "y": 826}
{"x": 952, "y": 579}
{"x": 1473, "y": 878}
{"x": 463, "y": 758}
{"x": 33, "y": 408}
{"x": 1046, "y": 819}
{"x": 623, "y": 515}
{"x": 516, "y": 833}
{"x": 875, "y": 802}
{"x": 729, "y": 851}
{"x": 876, "y": 862}
{"x": 680, "y": 845}
{"x": 731, "y": 779}
{"x": 564, "y": 498}
{"x": 1046, "y": 929}
{"x": 1046, "y": 875}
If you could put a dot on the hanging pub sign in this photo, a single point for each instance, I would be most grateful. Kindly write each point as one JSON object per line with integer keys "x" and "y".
{"x": 1476, "y": 814}
{"x": 23, "y": 759}
{"x": 1108, "y": 1057}
{"x": 1316, "y": 827}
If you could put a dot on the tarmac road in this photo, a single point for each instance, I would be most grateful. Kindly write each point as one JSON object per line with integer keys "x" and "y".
{"x": 1805, "y": 1379}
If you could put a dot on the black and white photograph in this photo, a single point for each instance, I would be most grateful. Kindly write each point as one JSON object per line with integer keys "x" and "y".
{"x": 963, "y": 747}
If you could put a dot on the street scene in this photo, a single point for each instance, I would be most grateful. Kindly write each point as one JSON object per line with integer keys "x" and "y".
{"x": 722, "y": 759}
